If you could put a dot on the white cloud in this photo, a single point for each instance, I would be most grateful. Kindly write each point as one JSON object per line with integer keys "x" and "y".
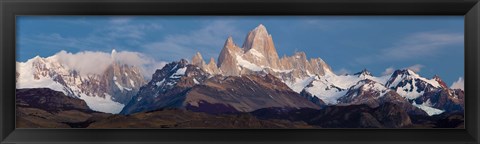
{"x": 459, "y": 84}
{"x": 388, "y": 71}
{"x": 85, "y": 62}
{"x": 342, "y": 71}
{"x": 95, "y": 62}
{"x": 424, "y": 44}
{"x": 416, "y": 67}
{"x": 123, "y": 33}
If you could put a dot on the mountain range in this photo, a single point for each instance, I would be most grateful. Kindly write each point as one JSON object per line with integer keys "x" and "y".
{"x": 252, "y": 79}
{"x": 106, "y": 92}
{"x": 243, "y": 78}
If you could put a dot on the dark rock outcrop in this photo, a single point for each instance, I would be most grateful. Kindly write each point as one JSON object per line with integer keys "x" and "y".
{"x": 45, "y": 108}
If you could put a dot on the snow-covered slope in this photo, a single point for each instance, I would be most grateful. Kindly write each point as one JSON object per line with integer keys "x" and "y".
{"x": 411, "y": 85}
{"x": 331, "y": 87}
{"x": 427, "y": 107}
{"x": 315, "y": 80}
{"x": 28, "y": 76}
{"x": 334, "y": 89}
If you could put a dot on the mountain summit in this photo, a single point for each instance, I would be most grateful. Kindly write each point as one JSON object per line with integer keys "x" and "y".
{"x": 259, "y": 48}
{"x": 258, "y": 55}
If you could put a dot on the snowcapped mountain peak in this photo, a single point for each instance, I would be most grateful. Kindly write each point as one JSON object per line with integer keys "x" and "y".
{"x": 409, "y": 84}
{"x": 367, "y": 84}
{"x": 408, "y": 72}
{"x": 169, "y": 74}
{"x": 37, "y": 61}
{"x": 104, "y": 91}
{"x": 364, "y": 72}
{"x": 405, "y": 74}
{"x": 212, "y": 61}
{"x": 411, "y": 72}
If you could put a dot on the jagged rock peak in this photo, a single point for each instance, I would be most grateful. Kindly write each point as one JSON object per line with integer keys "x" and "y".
{"x": 259, "y": 44}
{"x": 229, "y": 43}
{"x": 300, "y": 55}
{"x": 212, "y": 61}
{"x": 259, "y": 52}
{"x": 257, "y": 38}
{"x": 211, "y": 67}
{"x": 198, "y": 54}
{"x": 197, "y": 60}
{"x": 169, "y": 68}
{"x": 258, "y": 32}
{"x": 227, "y": 58}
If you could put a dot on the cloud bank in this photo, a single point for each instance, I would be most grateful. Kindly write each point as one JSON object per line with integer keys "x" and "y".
{"x": 422, "y": 44}
{"x": 459, "y": 84}
{"x": 388, "y": 71}
{"x": 96, "y": 62}
{"x": 416, "y": 68}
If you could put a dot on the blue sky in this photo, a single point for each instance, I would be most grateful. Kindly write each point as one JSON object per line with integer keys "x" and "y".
{"x": 429, "y": 44}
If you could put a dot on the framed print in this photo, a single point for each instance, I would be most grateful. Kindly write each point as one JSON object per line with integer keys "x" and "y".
{"x": 250, "y": 71}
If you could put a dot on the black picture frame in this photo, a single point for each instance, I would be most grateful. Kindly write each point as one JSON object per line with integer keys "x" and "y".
{"x": 9, "y": 9}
